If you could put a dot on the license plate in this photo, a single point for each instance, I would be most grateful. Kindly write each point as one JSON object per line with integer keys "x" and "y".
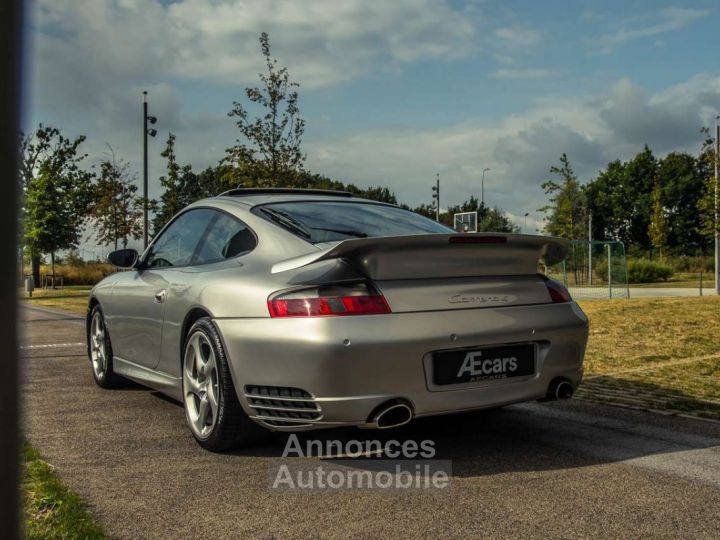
{"x": 485, "y": 364}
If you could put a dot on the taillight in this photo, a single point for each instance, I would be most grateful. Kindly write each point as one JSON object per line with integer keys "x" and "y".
{"x": 558, "y": 292}
{"x": 339, "y": 299}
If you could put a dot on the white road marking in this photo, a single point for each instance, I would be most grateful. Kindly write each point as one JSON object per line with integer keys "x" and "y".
{"x": 51, "y": 345}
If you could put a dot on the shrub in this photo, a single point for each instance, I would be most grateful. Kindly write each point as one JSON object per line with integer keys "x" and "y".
{"x": 87, "y": 274}
{"x": 646, "y": 271}
{"x": 693, "y": 264}
{"x": 600, "y": 270}
{"x": 638, "y": 271}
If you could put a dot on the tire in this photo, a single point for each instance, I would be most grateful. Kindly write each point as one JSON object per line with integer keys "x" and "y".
{"x": 100, "y": 351}
{"x": 214, "y": 415}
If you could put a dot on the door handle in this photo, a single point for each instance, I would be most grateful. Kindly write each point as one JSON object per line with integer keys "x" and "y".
{"x": 160, "y": 296}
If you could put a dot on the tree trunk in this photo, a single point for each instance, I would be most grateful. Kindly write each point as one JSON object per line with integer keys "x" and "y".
{"x": 35, "y": 268}
{"x": 52, "y": 266}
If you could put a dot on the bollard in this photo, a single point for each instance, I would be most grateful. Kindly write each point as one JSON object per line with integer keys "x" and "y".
{"x": 29, "y": 285}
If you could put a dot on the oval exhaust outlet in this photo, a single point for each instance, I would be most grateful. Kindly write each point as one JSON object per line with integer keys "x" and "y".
{"x": 394, "y": 415}
{"x": 559, "y": 388}
{"x": 564, "y": 390}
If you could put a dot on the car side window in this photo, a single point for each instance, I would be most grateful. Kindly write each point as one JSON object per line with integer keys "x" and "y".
{"x": 227, "y": 237}
{"x": 177, "y": 244}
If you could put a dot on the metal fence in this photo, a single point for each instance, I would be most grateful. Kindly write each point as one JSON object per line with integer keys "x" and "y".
{"x": 596, "y": 269}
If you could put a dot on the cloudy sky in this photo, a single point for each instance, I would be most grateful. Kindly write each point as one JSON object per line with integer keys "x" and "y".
{"x": 392, "y": 91}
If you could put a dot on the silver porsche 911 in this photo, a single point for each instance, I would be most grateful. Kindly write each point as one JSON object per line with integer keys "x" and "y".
{"x": 279, "y": 309}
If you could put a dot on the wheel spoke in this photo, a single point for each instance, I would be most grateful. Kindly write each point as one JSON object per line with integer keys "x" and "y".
{"x": 199, "y": 362}
{"x": 192, "y": 386}
{"x": 210, "y": 366}
{"x": 212, "y": 397}
{"x": 203, "y": 410}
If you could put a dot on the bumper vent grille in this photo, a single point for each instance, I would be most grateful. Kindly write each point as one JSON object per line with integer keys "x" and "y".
{"x": 282, "y": 406}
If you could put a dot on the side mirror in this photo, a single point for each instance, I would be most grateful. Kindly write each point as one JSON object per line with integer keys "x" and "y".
{"x": 123, "y": 258}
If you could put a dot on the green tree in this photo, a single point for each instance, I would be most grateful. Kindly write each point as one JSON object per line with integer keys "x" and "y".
{"x": 117, "y": 210}
{"x": 426, "y": 210}
{"x": 208, "y": 183}
{"x": 174, "y": 183}
{"x": 682, "y": 185}
{"x": 658, "y": 230}
{"x": 567, "y": 211}
{"x": 269, "y": 152}
{"x": 623, "y": 200}
{"x": 706, "y": 204}
{"x": 495, "y": 220}
{"x": 642, "y": 176}
{"x": 55, "y": 213}
{"x": 56, "y": 193}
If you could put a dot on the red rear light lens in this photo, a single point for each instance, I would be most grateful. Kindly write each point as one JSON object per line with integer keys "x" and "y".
{"x": 558, "y": 292}
{"x": 329, "y": 300}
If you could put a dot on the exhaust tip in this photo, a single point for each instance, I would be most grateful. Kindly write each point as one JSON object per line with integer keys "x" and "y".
{"x": 391, "y": 415}
{"x": 559, "y": 389}
{"x": 564, "y": 390}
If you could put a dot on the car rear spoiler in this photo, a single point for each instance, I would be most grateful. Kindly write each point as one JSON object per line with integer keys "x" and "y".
{"x": 440, "y": 255}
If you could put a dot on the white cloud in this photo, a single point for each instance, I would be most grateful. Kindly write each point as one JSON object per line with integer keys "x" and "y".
{"x": 669, "y": 20}
{"x": 517, "y": 36}
{"x": 326, "y": 41}
{"x": 521, "y": 74}
{"x": 520, "y": 148}
{"x": 90, "y": 59}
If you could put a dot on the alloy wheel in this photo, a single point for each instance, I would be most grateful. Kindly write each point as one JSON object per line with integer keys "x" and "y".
{"x": 98, "y": 347}
{"x": 200, "y": 385}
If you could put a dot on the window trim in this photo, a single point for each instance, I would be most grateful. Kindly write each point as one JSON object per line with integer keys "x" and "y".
{"x": 148, "y": 250}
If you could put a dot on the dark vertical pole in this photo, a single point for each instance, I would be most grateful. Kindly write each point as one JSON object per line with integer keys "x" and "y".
{"x": 437, "y": 210}
{"x": 145, "y": 171}
{"x": 10, "y": 43}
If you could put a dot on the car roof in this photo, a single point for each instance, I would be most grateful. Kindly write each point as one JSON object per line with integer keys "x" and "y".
{"x": 258, "y": 196}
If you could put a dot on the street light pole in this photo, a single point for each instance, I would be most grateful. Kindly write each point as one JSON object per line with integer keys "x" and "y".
{"x": 152, "y": 132}
{"x": 525, "y": 222}
{"x": 482, "y": 187}
{"x": 436, "y": 197}
{"x": 145, "y": 171}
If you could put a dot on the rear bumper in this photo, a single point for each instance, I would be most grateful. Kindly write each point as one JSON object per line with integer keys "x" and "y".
{"x": 350, "y": 365}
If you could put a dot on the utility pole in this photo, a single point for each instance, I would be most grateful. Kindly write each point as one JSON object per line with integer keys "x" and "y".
{"x": 717, "y": 225}
{"x": 436, "y": 197}
{"x": 152, "y": 132}
{"x": 482, "y": 187}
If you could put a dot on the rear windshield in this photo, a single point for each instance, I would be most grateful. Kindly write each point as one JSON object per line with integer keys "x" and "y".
{"x": 328, "y": 221}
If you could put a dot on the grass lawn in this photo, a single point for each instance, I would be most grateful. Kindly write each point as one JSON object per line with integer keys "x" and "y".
{"x": 659, "y": 353}
{"x": 51, "y": 510}
{"x": 72, "y": 298}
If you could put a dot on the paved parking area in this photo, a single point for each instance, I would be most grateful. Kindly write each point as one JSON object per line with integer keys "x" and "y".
{"x": 570, "y": 469}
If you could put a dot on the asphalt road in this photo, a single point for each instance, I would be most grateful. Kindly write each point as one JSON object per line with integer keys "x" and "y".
{"x": 560, "y": 470}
